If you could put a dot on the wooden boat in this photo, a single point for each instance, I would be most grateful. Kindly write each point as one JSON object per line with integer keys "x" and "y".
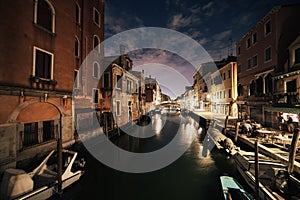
{"x": 42, "y": 182}
{"x": 273, "y": 175}
{"x": 232, "y": 190}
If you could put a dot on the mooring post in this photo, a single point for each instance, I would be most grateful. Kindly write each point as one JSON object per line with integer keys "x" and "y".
{"x": 293, "y": 150}
{"x": 237, "y": 126}
{"x": 226, "y": 124}
{"x": 256, "y": 170}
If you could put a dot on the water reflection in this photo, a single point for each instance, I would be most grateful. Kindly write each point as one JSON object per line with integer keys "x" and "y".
{"x": 190, "y": 177}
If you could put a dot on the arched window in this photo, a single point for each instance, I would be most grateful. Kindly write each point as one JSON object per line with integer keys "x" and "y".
{"x": 76, "y": 47}
{"x": 252, "y": 88}
{"x": 259, "y": 86}
{"x": 268, "y": 84}
{"x": 96, "y": 70}
{"x": 96, "y": 43}
{"x": 77, "y": 14}
{"x": 44, "y": 15}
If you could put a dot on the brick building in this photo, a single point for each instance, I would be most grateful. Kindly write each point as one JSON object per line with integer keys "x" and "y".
{"x": 42, "y": 49}
{"x": 261, "y": 53}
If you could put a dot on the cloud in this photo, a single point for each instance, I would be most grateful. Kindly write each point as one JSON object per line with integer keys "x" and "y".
{"x": 208, "y": 5}
{"x": 116, "y": 23}
{"x": 203, "y": 41}
{"x": 179, "y": 21}
{"x": 223, "y": 35}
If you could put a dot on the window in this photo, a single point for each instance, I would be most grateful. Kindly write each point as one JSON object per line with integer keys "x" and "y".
{"x": 76, "y": 47}
{"x": 254, "y": 38}
{"x": 240, "y": 90}
{"x": 224, "y": 76}
{"x": 106, "y": 80}
{"x": 267, "y": 27}
{"x": 224, "y": 94}
{"x": 297, "y": 56}
{"x": 254, "y": 61}
{"x": 96, "y": 42}
{"x": 30, "y": 134}
{"x": 96, "y": 17}
{"x": 248, "y": 43}
{"x": 119, "y": 82}
{"x": 268, "y": 54}
{"x": 48, "y": 130}
{"x": 229, "y": 73}
{"x": 43, "y": 63}
{"x": 95, "y": 95}
{"x": 129, "y": 86}
{"x": 44, "y": 15}
{"x": 76, "y": 79}
{"x": 229, "y": 93}
{"x": 291, "y": 86}
{"x": 239, "y": 50}
{"x": 77, "y": 14}
{"x": 96, "y": 70}
{"x": 239, "y": 68}
{"x": 252, "y": 88}
{"x": 118, "y": 108}
{"x": 249, "y": 63}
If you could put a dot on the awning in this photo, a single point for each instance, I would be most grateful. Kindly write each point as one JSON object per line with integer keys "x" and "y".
{"x": 283, "y": 109}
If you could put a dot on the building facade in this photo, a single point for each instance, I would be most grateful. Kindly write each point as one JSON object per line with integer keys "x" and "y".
{"x": 260, "y": 54}
{"x": 43, "y": 48}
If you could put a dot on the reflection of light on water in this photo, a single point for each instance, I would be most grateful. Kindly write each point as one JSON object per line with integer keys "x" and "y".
{"x": 157, "y": 124}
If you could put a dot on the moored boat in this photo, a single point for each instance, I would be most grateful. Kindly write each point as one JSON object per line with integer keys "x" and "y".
{"x": 232, "y": 190}
{"x": 272, "y": 175}
{"x": 42, "y": 182}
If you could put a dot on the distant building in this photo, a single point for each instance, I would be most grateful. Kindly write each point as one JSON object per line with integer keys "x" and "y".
{"x": 153, "y": 93}
{"x": 206, "y": 78}
{"x": 262, "y": 53}
{"x": 43, "y": 45}
{"x": 224, "y": 90}
{"x": 165, "y": 97}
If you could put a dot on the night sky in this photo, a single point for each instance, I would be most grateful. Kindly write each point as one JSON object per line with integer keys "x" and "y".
{"x": 216, "y": 25}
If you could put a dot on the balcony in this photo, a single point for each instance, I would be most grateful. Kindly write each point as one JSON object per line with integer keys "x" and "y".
{"x": 286, "y": 99}
{"x": 42, "y": 83}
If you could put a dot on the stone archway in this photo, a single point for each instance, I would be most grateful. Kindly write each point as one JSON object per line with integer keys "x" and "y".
{"x": 15, "y": 114}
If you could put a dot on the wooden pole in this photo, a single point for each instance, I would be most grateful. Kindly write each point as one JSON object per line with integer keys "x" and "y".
{"x": 226, "y": 124}
{"x": 256, "y": 170}
{"x": 293, "y": 150}
{"x": 237, "y": 126}
{"x": 59, "y": 158}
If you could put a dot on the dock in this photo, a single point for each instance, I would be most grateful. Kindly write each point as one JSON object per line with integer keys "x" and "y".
{"x": 265, "y": 147}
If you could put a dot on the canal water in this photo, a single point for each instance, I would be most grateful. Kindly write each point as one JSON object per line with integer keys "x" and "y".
{"x": 190, "y": 177}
